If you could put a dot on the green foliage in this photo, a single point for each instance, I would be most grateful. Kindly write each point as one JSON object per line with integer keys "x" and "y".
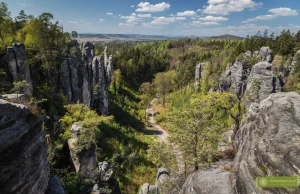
{"x": 76, "y": 183}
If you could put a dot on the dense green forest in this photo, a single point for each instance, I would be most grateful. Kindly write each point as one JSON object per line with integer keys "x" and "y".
{"x": 142, "y": 70}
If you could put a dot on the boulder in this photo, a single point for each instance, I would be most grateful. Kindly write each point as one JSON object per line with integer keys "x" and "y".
{"x": 210, "y": 180}
{"x": 162, "y": 175}
{"x": 247, "y": 54}
{"x": 23, "y": 151}
{"x": 266, "y": 54}
{"x": 18, "y": 65}
{"x": 148, "y": 189}
{"x": 268, "y": 143}
{"x": 12, "y": 96}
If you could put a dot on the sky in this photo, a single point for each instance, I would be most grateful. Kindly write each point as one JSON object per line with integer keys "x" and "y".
{"x": 172, "y": 17}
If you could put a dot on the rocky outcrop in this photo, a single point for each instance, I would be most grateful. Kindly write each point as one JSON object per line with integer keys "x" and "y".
{"x": 268, "y": 143}
{"x": 86, "y": 80}
{"x": 233, "y": 78}
{"x": 261, "y": 83}
{"x": 23, "y": 152}
{"x": 266, "y": 54}
{"x": 162, "y": 176}
{"x": 18, "y": 66}
{"x": 106, "y": 181}
{"x": 198, "y": 75}
{"x": 211, "y": 180}
{"x": 84, "y": 160}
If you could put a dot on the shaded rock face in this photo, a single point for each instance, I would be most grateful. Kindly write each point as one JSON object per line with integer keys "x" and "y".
{"x": 87, "y": 80}
{"x": 210, "y": 180}
{"x": 106, "y": 180}
{"x": 198, "y": 75}
{"x": 23, "y": 151}
{"x": 269, "y": 143}
{"x": 18, "y": 65}
{"x": 85, "y": 161}
{"x": 55, "y": 186}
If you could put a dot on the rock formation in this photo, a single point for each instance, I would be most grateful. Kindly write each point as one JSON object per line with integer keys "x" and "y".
{"x": 23, "y": 151}
{"x": 18, "y": 66}
{"x": 266, "y": 54}
{"x": 213, "y": 180}
{"x": 106, "y": 180}
{"x": 162, "y": 176}
{"x": 87, "y": 80}
{"x": 268, "y": 143}
{"x": 233, "y": 78}
{"x": 84, "y": 161}
{"x": 198, "y": 75}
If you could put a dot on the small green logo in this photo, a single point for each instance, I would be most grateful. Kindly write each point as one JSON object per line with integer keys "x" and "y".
{"x": 277, "y": 182}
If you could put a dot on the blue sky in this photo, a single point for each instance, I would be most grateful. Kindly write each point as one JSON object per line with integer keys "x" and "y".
{"x": 173, "y": 17}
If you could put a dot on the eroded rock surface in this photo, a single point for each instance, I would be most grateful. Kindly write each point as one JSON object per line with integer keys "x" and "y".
{"x": 85, "y": 160}
{"x": 23, "y": 152}
{"x": 269, "y": 143}
{"x": 18, "y": 66}
{"x": 211, "y": 180}
{"x": 233, "y": 78}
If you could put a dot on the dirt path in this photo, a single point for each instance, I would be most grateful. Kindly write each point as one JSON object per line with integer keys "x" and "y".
{"x": 163, "y": 136}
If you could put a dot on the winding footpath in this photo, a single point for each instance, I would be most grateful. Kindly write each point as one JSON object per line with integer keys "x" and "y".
{"x": 163, "y": 136}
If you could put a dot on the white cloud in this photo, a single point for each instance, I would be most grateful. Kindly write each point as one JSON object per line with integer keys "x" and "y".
{"x": 213, "y": 19}
{"x": 134, "y": 18}
{"x": 283, "y": 11}
{"x": 72, "y": 22}
{"x": 144, "y": 15}
{"x": 210, "y": 23}
{"x": 224, "y": 7}
{"x": 198, "y": 10}
{"x": 258, "y": 18}
{"x": 186, "y": 14}
{"x": 199, "y": 23}
{"x": 163, "y": 20}
{"x": 109, "y": 13}
{"x": 277, "y": 12}
{"x": 101, "y": 20}
{"x": 147, "y": 7}
{"x": 132, "y": 6}
{"x": 180, "y": 18}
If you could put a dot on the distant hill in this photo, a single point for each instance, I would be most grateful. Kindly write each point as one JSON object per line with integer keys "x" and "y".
{"x": 226, "y": 37}
{"x": 119, "y": 37}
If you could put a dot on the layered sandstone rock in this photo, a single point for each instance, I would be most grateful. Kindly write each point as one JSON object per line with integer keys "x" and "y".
{"x": 23, "y": 151}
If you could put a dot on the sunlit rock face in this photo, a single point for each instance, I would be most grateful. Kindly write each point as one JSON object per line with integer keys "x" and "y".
{"x": 84, "y": 161}
{"x": 23, "y": 151}
{"x": 268, "y": 143}
{"x": 18, "y": 66}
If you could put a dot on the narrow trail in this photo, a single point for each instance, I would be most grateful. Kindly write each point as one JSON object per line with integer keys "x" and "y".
{"x": 163, "y": 136}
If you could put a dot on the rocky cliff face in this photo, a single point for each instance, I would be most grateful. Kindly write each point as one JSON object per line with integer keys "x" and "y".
{"x": 268, "y": 143}
{"x": 18, "y": 65}
{"x": 86, "y": 80}
{"x": 23, "y": 151}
